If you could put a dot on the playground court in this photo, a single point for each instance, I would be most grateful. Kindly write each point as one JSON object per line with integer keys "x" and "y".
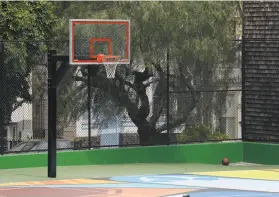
{"x": 143, "y": 180}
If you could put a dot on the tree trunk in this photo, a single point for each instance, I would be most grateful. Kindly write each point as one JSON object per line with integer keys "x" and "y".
{"x": 146, "y": 133}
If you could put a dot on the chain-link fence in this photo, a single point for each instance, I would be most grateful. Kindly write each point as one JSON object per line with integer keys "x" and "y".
{"x": 187, "y": 82}
{"x": 176, "y": 104}
{"x": 205, "y": 98}
{"x": 203, "y": 102}
{"x": 23, "y": 101}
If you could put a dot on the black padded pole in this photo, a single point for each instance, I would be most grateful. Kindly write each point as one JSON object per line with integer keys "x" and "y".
{"x": 51, "y": 115}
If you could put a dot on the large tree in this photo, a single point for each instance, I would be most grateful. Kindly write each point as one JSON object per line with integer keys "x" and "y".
{"x": 23, "y": 26}
{"x": 197, "y": 35}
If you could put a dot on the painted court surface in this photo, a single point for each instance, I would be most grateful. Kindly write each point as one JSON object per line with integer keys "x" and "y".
{"x": 143, "y": 180}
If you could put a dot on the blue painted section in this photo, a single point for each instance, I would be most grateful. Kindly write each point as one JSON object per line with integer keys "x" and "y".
{"x": 204, "y": 181}
{"x": 127, "y": 185}
{"x": 161, "y": 179}
{"x": 254, "y": 188}
{"x": 232, "y": 194}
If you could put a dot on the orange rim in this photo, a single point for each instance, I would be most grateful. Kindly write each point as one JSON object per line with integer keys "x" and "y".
{"x": 106, "y": 58}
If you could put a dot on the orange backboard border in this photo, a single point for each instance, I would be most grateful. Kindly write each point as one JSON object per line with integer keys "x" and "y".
{"x": 72, "y": 22}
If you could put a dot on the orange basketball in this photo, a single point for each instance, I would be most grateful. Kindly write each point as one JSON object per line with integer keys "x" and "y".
{"x": 225, "y": 161}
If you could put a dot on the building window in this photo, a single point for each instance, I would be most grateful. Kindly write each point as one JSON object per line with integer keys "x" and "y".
{"x": 223, "y": 125}
{"x": 19, "y": 135}
{"x": 5, "y": 132}
{"x": 37, "y": 109}
{"x": 14, "y": 132}
{"x": 231, "y": 127}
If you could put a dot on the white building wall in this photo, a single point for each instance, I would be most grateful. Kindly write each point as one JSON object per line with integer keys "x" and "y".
{"x": 22, "y": 116}
{"x": 21, "y": 120}
{"x": 233, "y": 107}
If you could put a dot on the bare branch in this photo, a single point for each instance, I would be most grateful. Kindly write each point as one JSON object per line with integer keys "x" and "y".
{"x": 179, "y": 121}
{"x": 240, "y": 9}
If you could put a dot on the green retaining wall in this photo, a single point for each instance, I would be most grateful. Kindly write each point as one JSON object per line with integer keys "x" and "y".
{"x": 210, "y": 153}
{"x": 261, "y": 153}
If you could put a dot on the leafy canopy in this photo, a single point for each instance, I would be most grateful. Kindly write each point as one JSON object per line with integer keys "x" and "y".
{"x": 24, "y": 26}
{"x": 198, "y": 36}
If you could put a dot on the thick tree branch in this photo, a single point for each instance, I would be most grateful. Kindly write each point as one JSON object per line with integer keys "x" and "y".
{"x": 240, "y": 9}
{"x": 159, "y": 99}
{"x": 148, "y": 83}
{"x": 120, "y": 95}
{"x": 144, "y": 108}
{"x": 122, "y": 81}
{"x": 179, "y": 121}
{"x": 157, "y": 67}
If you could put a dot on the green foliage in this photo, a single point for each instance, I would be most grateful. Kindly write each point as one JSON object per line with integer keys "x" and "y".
{"x": 200, "y": 133}
{"x": 198, "y": 35}
{"x": 23, "y": 26}
{"x": 27, "y": 20}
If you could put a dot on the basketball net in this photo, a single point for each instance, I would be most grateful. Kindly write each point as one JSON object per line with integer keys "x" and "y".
{"x": 111, "y": 67}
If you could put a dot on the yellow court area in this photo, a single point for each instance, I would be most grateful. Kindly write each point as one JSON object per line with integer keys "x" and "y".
{"x": 270, "y": 174}
{"x": 60, "y": 182}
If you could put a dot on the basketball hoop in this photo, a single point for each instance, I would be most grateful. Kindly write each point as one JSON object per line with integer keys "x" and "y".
{"x": 110, "y": 63}
{"x": 108, "y": 38}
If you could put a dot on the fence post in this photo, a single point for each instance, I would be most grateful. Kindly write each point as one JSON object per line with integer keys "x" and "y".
{"x": 243, "y": 89}
{"x": 2, "y": 102}
{"x": 168, "y": 97}
{"x": 89, "y": 106}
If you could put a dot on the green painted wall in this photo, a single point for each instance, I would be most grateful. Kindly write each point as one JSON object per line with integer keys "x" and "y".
{"x": 261, "y": 153}
{"x": 211, "y": 153}
{"x": 23, "y": 161}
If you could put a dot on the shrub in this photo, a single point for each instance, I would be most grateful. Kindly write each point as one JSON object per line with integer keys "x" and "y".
{"x": 200, "y": 133}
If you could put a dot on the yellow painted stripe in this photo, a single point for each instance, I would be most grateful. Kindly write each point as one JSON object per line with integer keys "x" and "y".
{"x": 34, "y": 183}
{"x": 92, "y": 181}
{"x": 69, "y": 182}
{"x": 250, "y": 174}
{"x": 60, "y": 182}
{"x": 13, "y": 184}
